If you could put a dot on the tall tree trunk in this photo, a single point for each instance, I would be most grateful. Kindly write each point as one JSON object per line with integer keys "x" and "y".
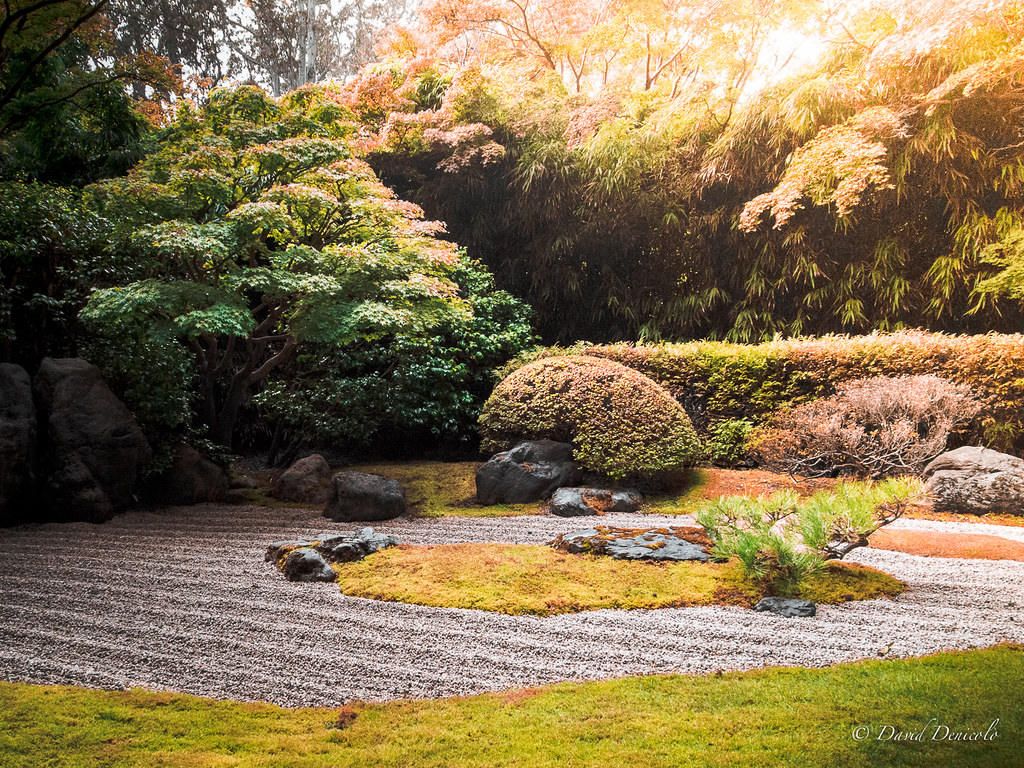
{"x": 307, "y": 72}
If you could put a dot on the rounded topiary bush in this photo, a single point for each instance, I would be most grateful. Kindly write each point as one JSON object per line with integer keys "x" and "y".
{"x": 620, "y": 422}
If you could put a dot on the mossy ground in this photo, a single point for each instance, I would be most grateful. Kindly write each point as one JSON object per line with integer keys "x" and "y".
{"x": 443, "y": 489}
{"x": 531, "y": 579}
{"x": 799, "y": 718}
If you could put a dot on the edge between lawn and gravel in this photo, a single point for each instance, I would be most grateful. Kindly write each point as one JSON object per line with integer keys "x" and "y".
{"x": 968, "y": 708}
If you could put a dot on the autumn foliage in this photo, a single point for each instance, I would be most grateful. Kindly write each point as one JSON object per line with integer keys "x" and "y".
{"x": 879, "y": 427}
{"x": 620, "y": 422}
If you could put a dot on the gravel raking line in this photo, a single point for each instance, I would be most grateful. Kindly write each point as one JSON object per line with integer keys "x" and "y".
{"x": 182, "y": 600}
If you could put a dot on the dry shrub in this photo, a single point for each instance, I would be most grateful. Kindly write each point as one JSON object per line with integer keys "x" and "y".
{"x": 878, "y": 427}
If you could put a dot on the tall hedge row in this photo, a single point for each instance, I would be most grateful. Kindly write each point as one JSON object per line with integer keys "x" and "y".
{"x": 719, "y": 380}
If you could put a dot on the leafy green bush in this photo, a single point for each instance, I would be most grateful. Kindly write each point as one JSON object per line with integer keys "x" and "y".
{"x": 781, "y": 539}
{"x": 727, "y": 441}
{"x": 620, "y": 421}
{"x": 409, "y": 387}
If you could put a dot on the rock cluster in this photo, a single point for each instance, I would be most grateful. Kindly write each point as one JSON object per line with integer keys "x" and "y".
{"x": 976, "y": 480}
{"x": 579, "y": 502}
{"x": 530, "y": 471}
{"x": 309, "y": 560}
{"x": 70, "y": 450}
{"x": 93, "y": 451}
{"x": 675, "y": 544}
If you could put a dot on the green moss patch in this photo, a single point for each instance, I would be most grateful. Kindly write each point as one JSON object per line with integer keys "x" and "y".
{"x": 800, "y": 718}
{"x": 531, "y": 579}
{"x": 443, "y": 489}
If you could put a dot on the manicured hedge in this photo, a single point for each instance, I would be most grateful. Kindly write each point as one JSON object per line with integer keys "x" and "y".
{"x": 621, "y": 422}
{"x": 718, "y": 380}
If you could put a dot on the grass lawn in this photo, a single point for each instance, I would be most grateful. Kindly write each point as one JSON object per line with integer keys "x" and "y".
{"x": 531, "y": 579}
{"x": 845, "y": 716}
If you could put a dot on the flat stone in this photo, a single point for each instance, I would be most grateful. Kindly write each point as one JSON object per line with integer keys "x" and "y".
{"x": 275, "y": 550}
{"x": 786, "y": 606}
{"x": 668, "y": 544}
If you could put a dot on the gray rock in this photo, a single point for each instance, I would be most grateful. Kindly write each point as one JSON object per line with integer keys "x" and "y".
{"x": 786, "y": 606}
{"x": 307, "y": 480}
{"x": 307, "y": 565}
{"x": 351, "y": 547}
{"x": 278, "y": 548}
{"x": 360, "y": 496}
{"x": 17, "y": 443}
{"x": 95, "y": 452}
{"x": 530, "y": 471}
{"x": 191, "y": 479}
{"x": 976, "y": 480}
{"x": 667, "y": 544}
{"x": 578, "y": 502}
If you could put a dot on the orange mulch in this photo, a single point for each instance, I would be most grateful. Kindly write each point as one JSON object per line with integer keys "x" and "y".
{"x": 969, "y": 546}
{"x": 756, "y": 482}
{"x": 924, "y": 512}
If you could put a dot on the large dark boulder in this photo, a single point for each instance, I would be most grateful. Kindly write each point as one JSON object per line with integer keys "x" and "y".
{"x": 360, "y": 496}
{"x": 17, "y": 443}
{"x": 577, "y": 502}
{"x": 307, "y": 480}
{"x": 94, "y": 452}
{"x": 191, "y": 479}
{"x": 976, "y": 480}
{"x": 529, "y": 472}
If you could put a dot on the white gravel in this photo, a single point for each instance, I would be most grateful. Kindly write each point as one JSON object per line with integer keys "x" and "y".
{"x": 182, "y": 600}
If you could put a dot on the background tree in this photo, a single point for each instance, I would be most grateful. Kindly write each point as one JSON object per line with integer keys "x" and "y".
{"x": 262, "y": 234}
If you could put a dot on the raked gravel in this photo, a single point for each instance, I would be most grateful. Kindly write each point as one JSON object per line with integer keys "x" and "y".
{"x": 181, "y": 599}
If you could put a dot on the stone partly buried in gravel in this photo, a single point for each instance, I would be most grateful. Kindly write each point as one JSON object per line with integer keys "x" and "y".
{"x": 309, "y": 560}
{"x": 675, "y": 544}
{"x": 578, "y": 502}
{"x": 786, "y": 606}
{"x": 360, "y": 496}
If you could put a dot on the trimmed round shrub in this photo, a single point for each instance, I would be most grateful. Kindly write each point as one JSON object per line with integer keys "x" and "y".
{"x": 620, "y": 422}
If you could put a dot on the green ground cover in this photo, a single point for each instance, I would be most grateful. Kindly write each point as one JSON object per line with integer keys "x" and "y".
{"x": 443, "y": 489}
{"x": 531, "y": 579}
{"x": 818, "y": 718}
